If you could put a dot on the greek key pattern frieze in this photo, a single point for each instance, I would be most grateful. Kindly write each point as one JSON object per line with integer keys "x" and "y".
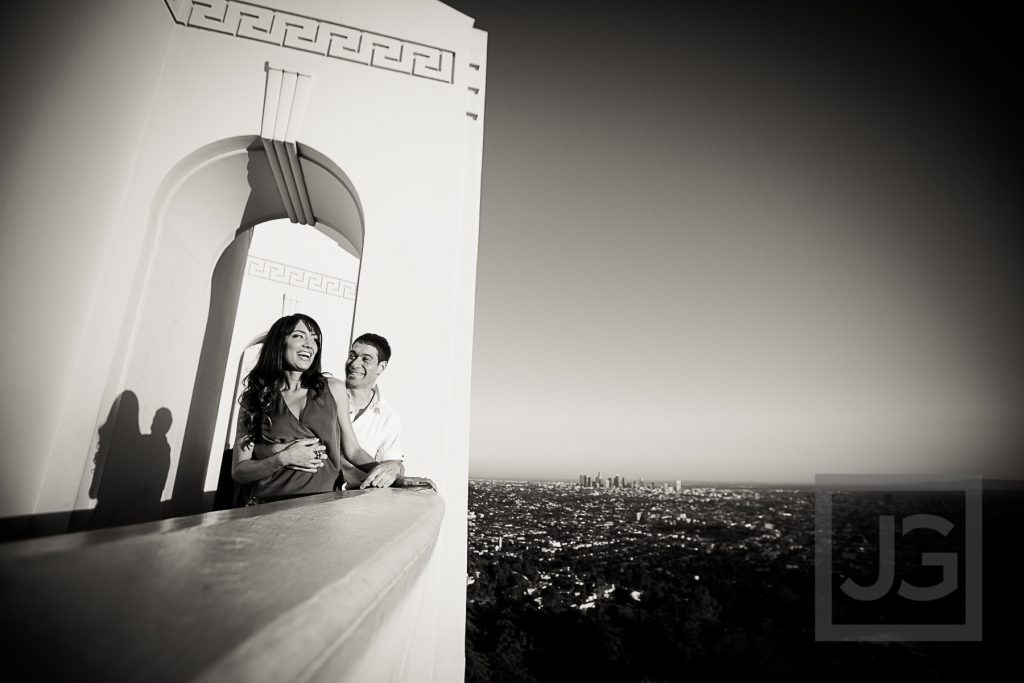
{"x": 293, "y": 276}
{"x": 334, "y": 41}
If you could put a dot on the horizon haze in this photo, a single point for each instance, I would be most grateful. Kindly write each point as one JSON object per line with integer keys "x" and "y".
{"x": 748, "y": 243}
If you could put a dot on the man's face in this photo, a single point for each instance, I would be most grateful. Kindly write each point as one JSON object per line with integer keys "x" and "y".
{"x": 362, "y": 368}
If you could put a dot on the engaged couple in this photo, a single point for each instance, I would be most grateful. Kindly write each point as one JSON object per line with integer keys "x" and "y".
{"x": 301, "y": 431}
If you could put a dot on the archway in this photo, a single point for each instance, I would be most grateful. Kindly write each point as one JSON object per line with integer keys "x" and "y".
{"x": 289, "y": 269}
{"x": 197, "y": 247}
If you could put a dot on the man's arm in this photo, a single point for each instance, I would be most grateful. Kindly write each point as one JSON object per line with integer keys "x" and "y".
{"x": 415, "y": 483}
{"x": 350, "y": 448}
{"x": 384, "y": 474}
{"x": 391, "y": 468}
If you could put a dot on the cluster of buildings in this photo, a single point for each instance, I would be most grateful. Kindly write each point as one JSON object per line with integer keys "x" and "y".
{"x": 619, "y": 482}
{"x": 565, "y": 544}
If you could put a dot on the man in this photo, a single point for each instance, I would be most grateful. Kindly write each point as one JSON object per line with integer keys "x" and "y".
{"x": 377, "y": 426}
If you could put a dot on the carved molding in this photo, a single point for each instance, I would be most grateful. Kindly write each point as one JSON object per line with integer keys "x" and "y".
{"x": 284, "y": 108}
{"x": 293, "y": 276}
{"x": 298, "y": 32}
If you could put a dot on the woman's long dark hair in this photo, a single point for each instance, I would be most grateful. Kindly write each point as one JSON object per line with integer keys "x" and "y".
{"x": 263, "y": 383}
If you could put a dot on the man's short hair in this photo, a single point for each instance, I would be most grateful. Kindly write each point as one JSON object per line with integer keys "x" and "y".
{"x": 378, "y": 342}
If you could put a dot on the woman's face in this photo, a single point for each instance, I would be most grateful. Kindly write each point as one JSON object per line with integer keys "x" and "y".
{"x": 300, "y": 348}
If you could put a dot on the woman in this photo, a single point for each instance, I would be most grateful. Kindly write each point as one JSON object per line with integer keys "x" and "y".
{"x": 293, "y": 426}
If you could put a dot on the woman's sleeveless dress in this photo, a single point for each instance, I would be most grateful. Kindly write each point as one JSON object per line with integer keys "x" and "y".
{"x": 318, "y": 418}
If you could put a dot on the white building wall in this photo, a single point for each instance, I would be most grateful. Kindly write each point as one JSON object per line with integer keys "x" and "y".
{"x": 110, "y": 230}
{"x": 63, "y": 185}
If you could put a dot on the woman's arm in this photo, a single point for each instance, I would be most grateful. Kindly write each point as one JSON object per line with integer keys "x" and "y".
{"x": 299, "y": 454}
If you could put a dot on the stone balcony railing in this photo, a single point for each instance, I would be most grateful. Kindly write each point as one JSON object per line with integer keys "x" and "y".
{"x": 301, "y": 590}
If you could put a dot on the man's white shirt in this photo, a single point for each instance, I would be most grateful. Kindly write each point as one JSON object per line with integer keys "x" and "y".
{"x": 378, "y": 429}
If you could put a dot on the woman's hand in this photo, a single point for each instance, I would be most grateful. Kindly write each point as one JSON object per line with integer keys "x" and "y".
{"x": 302, "y": 454}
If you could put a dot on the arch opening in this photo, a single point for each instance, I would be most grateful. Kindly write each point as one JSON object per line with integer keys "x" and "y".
{"x": 289, "y": 269}
{"x": 190, "y": 291}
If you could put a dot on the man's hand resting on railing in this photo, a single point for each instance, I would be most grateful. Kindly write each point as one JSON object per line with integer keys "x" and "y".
{"x": 384, "y": 474}
{"x": 415, "y": 483}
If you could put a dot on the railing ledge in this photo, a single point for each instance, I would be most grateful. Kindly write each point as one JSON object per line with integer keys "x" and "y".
{"x": 271, "y": 593}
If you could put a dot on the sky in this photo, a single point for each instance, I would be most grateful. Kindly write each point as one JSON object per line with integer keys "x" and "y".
{"x": 748, "y": 243}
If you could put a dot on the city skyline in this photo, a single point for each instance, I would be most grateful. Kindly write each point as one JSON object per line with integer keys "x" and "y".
{"x": 748, "y": 243}
{"x": 712, "y": 581}
{"x": 686, "y": 483}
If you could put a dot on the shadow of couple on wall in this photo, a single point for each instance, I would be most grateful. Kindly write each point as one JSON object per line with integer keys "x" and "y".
{"x": 130, "y": 468}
